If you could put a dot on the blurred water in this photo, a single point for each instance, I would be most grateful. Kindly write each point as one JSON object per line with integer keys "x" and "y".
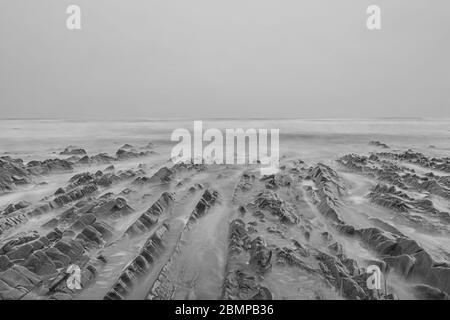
{"x": 310, "y": 138}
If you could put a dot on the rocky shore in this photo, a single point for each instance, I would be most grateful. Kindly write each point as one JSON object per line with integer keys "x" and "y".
{"x": 162, "y": 231}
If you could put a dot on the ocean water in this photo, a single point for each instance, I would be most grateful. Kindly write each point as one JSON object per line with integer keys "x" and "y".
{"x": 309, "y": 139}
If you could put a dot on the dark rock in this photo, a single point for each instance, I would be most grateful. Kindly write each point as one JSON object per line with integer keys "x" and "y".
{"x": 70, "y": 151}
{"x": 40, "y": 264}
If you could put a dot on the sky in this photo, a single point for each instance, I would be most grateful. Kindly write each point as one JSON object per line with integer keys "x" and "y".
{"x": 224, "y": 58}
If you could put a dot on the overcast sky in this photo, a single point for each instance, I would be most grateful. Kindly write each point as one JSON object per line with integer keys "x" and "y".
{"x": 224, "y": 58}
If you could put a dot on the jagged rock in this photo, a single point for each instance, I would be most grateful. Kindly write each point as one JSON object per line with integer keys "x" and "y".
{"x": 40, "y": 264}
{"x": 104, "y": 229}
{"x": 14, "y": 207}
{"x": 114, "y": 207}
{"x": 70, "y": 151}
{"x": 49, "y": 166}
{"x": 351, "y": 289}
{"x": 70, "y": 248}
{"x": 85, "y": 220}
{"x": 402, "y": 264}
{"x": 5, "y": 263}
{"x": 152, "y": 248}
{"x": 102, "y": 158}
{"x": 238, "y": 235}
{"x": 270, "y": 201}
{"x": 260, "y": 256}
{"x": 241, "y": 285}
{"x": 163, "y": 175}
{"x": 379, "y": 144}
{"x": 425, "y": 292}
{"x": 58, "y": 258}
{"x": 19, "y": 277}
{"x": 90, "y": 235}
{"x": 59, "y": 191}
{"x": 12, "y": 173}
{"x": 110, "y": 168}
{"x": 20, "y": 253}
{"x": 150, "y": 217}
{"x": 123, "y": 154}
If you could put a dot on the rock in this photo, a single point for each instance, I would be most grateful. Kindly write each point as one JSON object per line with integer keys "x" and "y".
{"x": 163, "y": 175}
{"x": 91, "y": 235}
{"x": 270, "y": 201}
{"x": 18, "y": 276}
{"x": 402, "y": 264}
{"x": 5, "y": 263}
{"x": 425, "y": 292}
{"x": 351, "y": 290}
{"x": 70, "y": 151}
{"x": 85, "y": 220}
{"x": 101, "y": 158}
{"x": 49, "y": 166}
{"x": 21, "y": 252}
{"x": 260, "y": 256}
{"x": 59, "y": 259}
{"x": 59, "y": 191}
{"x": 70, "y": 248}
{"x": 40, "y": 264}
{"x": 379, "y": 144}
{"x": 10, "y": 293}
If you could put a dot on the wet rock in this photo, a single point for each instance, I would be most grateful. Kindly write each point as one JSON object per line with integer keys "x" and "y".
{"x": 12, "y": 173}
{"x": 51, "y": 223}
{"x": 58, "y": 258}
{"x": 379, "y": 144}
{"x": 18, "y": 240}
{"x": 49, "y": 166}
{"x": 335, "y": 248}
{"x": 90, "y": 235}
{"x": 70, "y": 248}
{"x": 5, "y": 263}
{"x": 19, "y": 277}
{"x": 270, "y": 201}
{"x": 59, "y": 191}
{"x": 238, "y": 237}
{"x": 11, "y": 221}
{"x": 351, "y": 289}
{"x": 115, "y": 207}
{"x": 15, "y": 207}
{"x": 104, "y": 229}
{"x": 123, "y": 154}
{"x": 150, "y": 217}
{"x": 207, "y": 200}
{"x": 425, "y": 292}
{"x": 54, "y": 235}
{"x": 260, "y": 256}
{"x": 71, "y": 150}
{"x": 85, "y": 220}
{"x": 40, "y": 264}
{"x": 149, "y": 253}
{"x": 240, "y": 285}
{"x": 101, "y": 158}
{"x": 60, "y": 296}
{"x": 20, "y": 253}
{"x": 163, "y": 175}
{"x": 402, "y": 264}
